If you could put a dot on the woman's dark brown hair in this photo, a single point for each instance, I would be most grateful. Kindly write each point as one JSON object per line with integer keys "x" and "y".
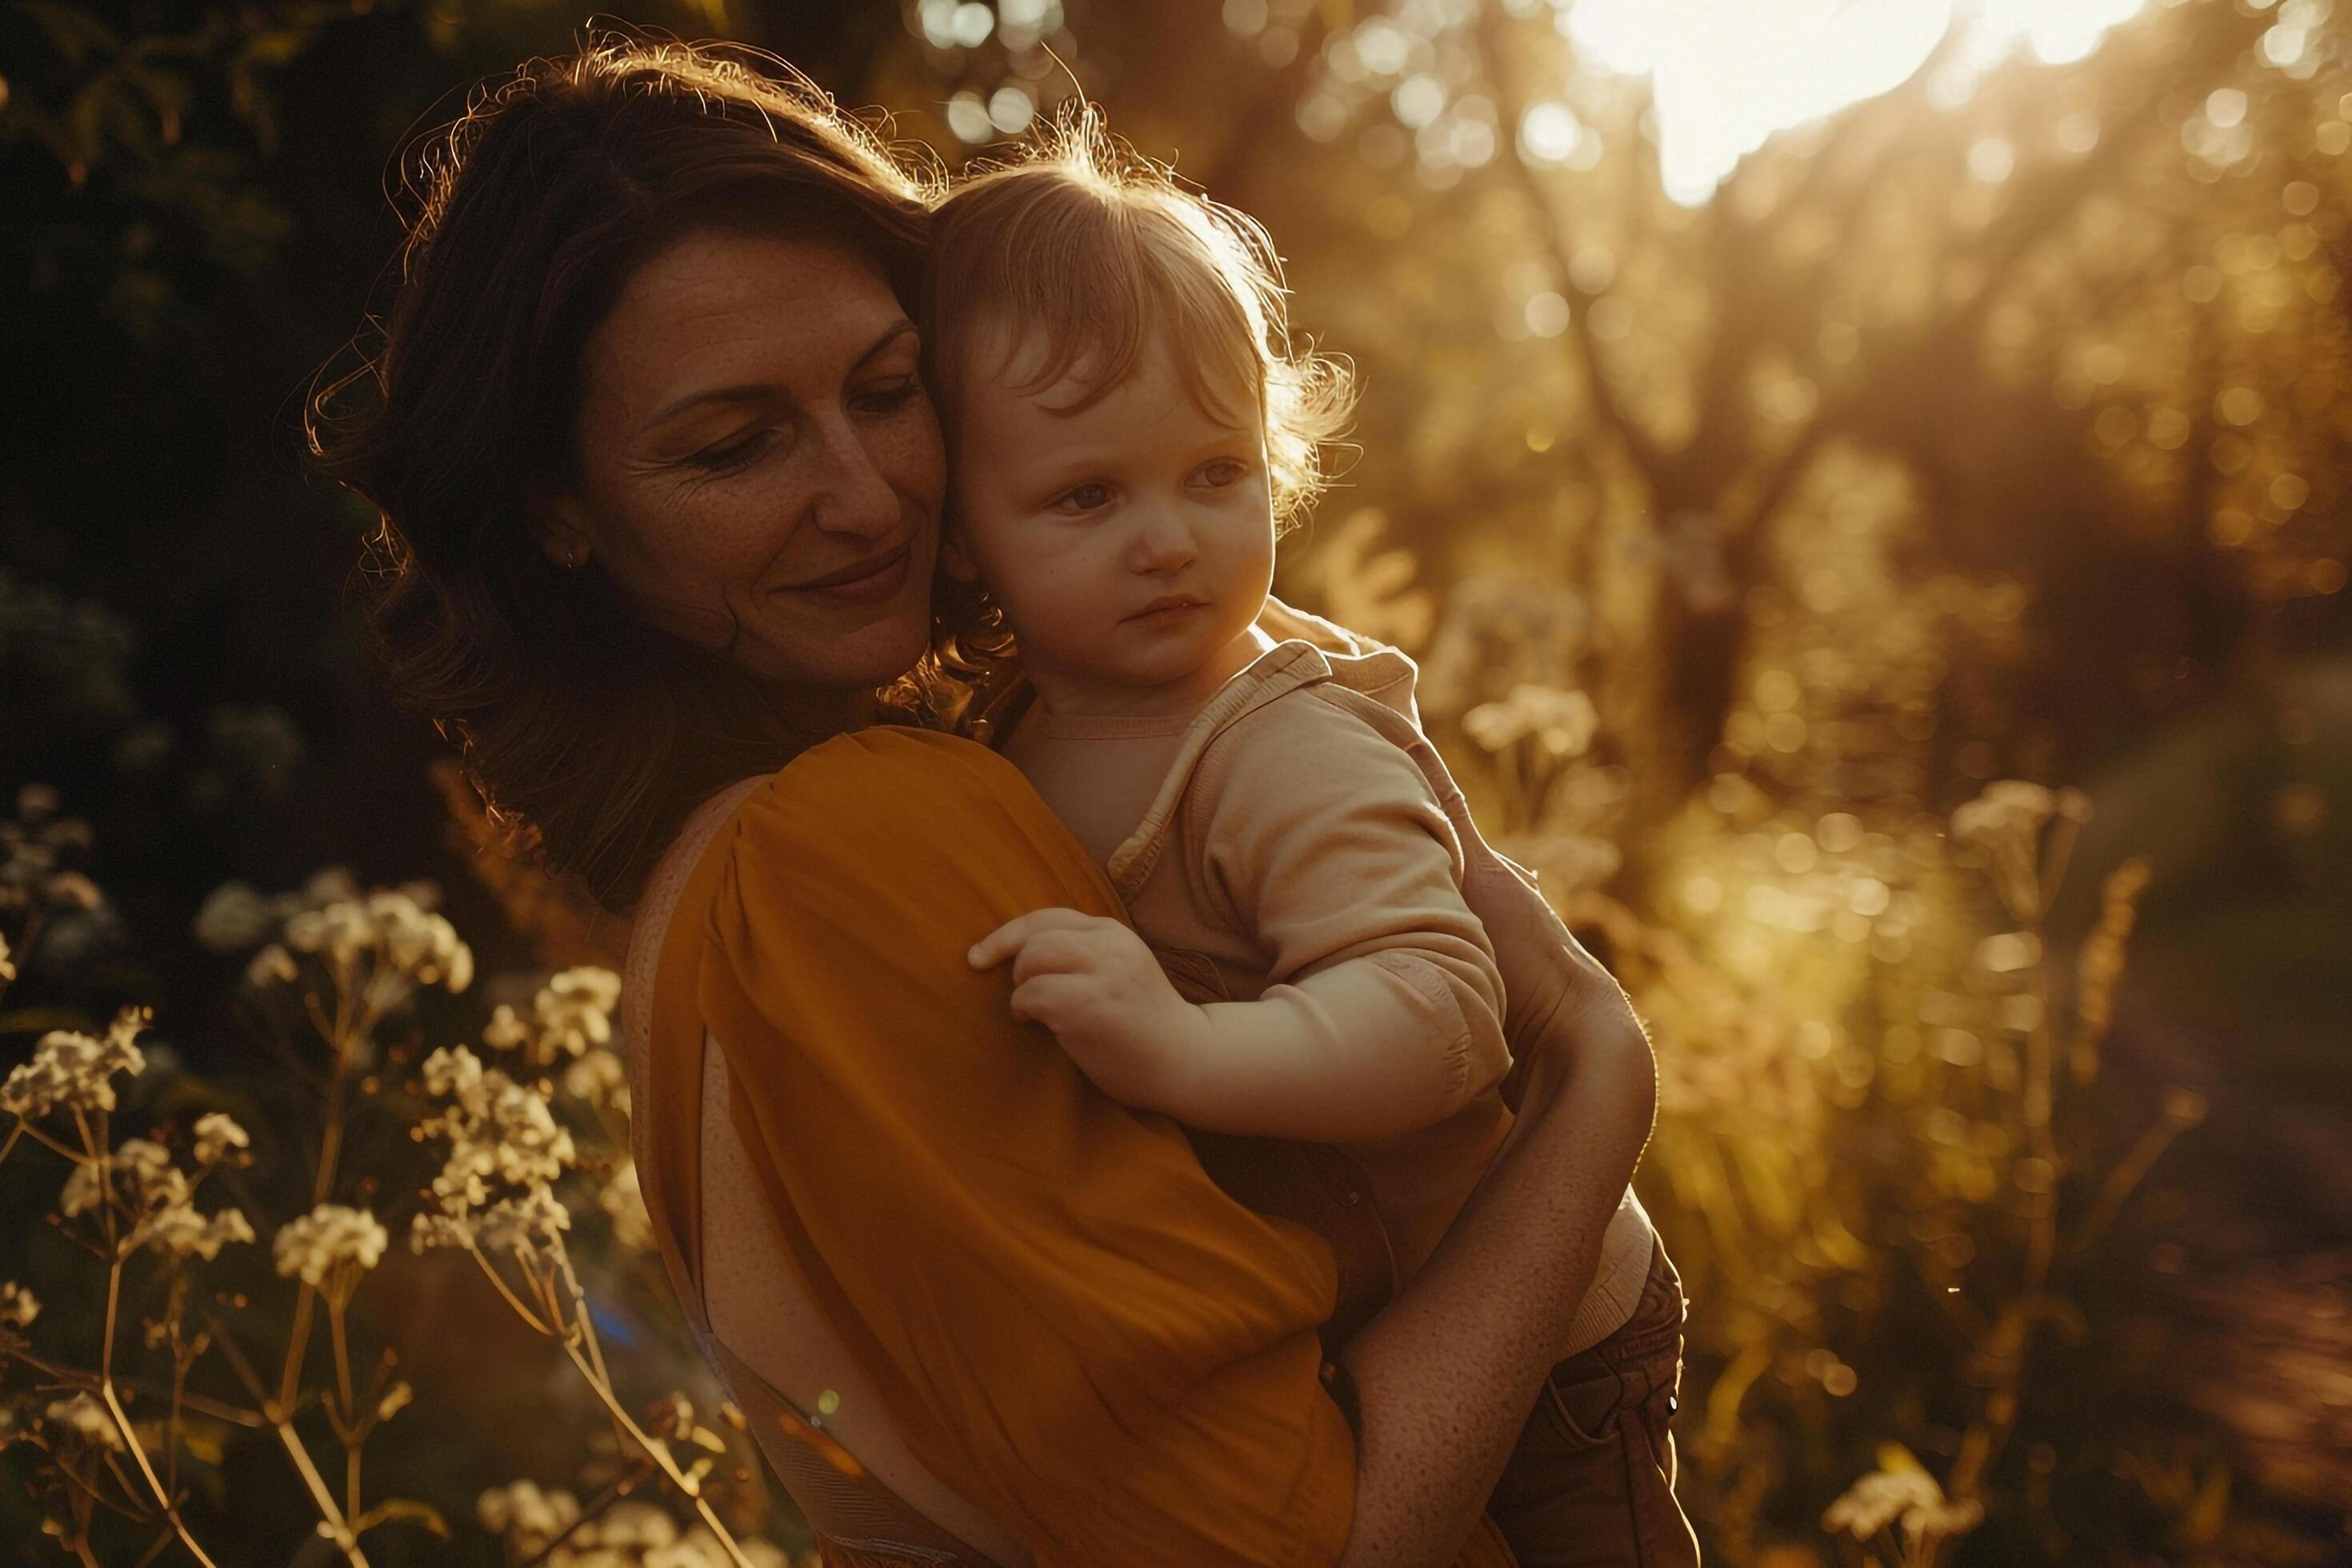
{"x": 590, "y": 735}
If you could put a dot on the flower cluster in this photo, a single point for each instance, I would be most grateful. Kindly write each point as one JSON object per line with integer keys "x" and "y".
{"x": 1560, "y": 722}
{"x": 33, "y": 847}
{"x": 329, "y": 1247}
{"x": 391, "y": 926}
{"x": 571, "y": 1016}
{"x": 2005, "y": 824}
{"x": 499, "y": 1132}
{"x": 1900, "y": 1491}
{"x": 397, "y": 930}
{"x": 18, "y": 1306}
{"x": 157, "y": 1198}
{"x": 80, "y": 1419}
{"x": 236, "y": 916}
{"x": 628, "y": 1534}
{"x": 74, "y": 1071}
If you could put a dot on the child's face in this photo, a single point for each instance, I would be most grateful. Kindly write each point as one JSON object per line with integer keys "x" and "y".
{"x": 1081, "y": 520}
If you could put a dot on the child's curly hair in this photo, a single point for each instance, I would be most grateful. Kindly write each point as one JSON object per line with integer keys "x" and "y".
{"x": 1084, "y": 243}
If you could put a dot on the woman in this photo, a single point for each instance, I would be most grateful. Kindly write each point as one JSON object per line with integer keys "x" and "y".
{"x": 661, "y": 493}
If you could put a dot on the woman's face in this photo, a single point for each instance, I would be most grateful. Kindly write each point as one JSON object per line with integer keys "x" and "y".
{"x": 761, "y": 471}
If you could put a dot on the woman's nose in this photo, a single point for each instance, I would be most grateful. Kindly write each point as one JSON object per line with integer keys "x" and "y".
{"x": 855, "y": 496}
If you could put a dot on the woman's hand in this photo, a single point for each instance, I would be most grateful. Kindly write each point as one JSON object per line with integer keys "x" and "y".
{"x": 1097, "y": 986}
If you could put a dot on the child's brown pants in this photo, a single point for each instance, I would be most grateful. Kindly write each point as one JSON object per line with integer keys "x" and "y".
{"x": 1591, "y": 1484}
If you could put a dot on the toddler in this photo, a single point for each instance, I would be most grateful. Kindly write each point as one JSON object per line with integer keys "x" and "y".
{"x": 1129, "y": 430}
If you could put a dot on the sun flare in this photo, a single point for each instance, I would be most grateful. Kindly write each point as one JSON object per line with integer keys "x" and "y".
{"x": 1726, "y": 75}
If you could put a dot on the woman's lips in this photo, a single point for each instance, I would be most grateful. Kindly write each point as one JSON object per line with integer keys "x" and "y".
{"x": 875, "y": 586}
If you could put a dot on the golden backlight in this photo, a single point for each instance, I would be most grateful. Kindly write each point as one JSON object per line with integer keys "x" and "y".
{"x": 1727, "y": 74}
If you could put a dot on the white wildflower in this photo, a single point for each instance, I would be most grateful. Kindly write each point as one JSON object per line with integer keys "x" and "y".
{"x": 325, "y": 1240}
{"x": 74, "y": 1071}
{"x": 273, "y": 965}
{"x": 1878, "y": 1498}
{"x": 180, "y": 1231}
{"x": 1900, "y": 1489}
{"x": 328, "y": 885}
{"x": 409, "y": 942}
{"x": 18, "y": 1306}
{"x": 505, "y": 1031}
{"x": 623, "y": 1202}
{"x": 572, "y": 1013}
{"x": 464, "y": 1181}
{"x": 233, "y": 917}
{"x": 218, "y": 1136}
{"x": 1561, "y": 722}
{"x": 452, "y": 1072}
{"x": 600, "y": 1078}
{"x": 525, "y": 1516}
{"x": 84, "y": 1189}
{"x": 524, "y": 1223}
{"x": 149, "y": 1183}
{"x": 71, "y": 890}
{"x": 87, "y": 1419}
{"x": 635, "y": 1524}
{"x": 429, "y": 1230}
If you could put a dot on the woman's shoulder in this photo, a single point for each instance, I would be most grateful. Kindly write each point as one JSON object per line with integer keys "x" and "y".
{"x": 879, "y": 776}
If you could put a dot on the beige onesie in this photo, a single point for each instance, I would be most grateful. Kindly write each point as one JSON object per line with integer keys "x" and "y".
{"x": 1275, "y": 849}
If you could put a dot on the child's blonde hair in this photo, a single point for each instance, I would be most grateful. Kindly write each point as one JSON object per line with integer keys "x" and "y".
{"x": 1083, "y": 243}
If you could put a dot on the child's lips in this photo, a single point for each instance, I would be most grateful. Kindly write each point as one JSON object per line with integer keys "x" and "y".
{"x": 1167, "y": 607}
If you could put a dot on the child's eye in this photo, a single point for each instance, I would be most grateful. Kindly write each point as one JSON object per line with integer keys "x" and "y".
{"x": 1219, "y": 472}
{"x": 1092, "y": 496}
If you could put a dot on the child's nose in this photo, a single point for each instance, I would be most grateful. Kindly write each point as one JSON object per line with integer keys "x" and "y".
{"x": 1164, "y": 543}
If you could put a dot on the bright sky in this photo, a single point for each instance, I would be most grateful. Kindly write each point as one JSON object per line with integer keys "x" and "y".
{"x": 1727, "y": 74}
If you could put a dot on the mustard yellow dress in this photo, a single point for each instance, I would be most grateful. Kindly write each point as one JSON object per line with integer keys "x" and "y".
{"x": 1066, "y": 1321}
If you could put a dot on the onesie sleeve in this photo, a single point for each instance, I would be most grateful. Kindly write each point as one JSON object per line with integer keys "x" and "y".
{"x": 1069, "y": 1323}
{"x": 1322, "y": 839}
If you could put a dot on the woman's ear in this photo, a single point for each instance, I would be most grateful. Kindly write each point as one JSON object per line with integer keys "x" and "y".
{"x": 558, "y": 529}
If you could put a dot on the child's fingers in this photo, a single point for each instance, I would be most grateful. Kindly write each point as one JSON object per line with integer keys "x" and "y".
{"x": 1010, "y": 937}
{"x": 1040, "y": 1000}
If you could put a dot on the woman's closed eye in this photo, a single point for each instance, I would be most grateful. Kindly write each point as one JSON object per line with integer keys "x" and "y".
{"x": 735, "y": 452}
{"x": 887, "y": 398}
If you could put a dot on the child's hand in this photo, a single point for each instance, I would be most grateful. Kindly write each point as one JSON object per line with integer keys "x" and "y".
{"x": 1096, "y": 985}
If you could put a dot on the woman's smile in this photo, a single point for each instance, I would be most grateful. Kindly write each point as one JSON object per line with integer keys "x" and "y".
{"x": 873, "y": 579}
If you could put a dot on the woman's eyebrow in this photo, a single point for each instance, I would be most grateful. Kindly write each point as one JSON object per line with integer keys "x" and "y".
{"x": 752, "y": 390}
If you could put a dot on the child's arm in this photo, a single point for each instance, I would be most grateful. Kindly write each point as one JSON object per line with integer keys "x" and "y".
{"x": 1385, "y": 1012}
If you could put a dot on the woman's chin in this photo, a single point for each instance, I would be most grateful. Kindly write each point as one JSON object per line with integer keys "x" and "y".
{"x": 869, "y": 655}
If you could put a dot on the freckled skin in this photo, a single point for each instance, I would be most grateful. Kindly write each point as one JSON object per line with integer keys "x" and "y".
{"x": 823, "y": 452}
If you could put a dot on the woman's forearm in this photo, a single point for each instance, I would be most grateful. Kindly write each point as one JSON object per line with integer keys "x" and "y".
{"x": 1445, "y": 1376}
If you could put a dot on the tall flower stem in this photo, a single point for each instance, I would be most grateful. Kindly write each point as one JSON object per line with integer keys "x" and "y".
{"x": 122, "y": 1420}
{"x": 280, "y": 1421}
{"x": 658, "y": 1452}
